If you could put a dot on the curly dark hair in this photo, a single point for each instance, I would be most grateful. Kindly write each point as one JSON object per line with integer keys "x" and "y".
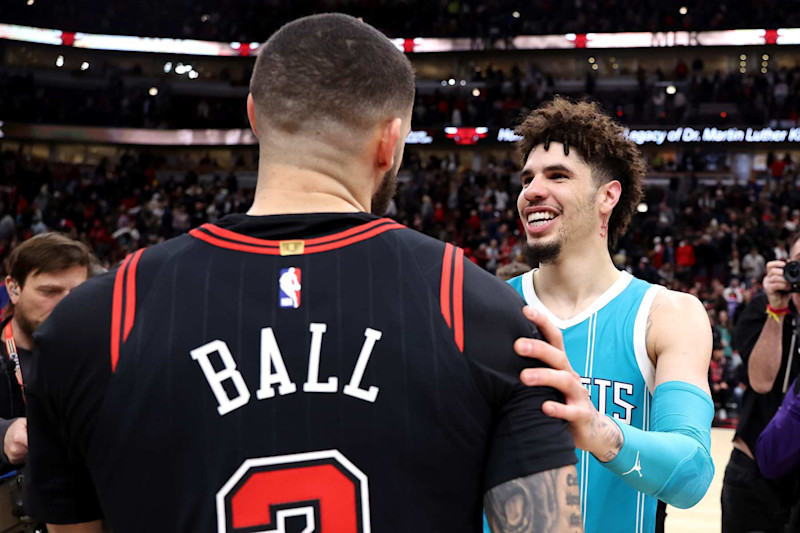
{"x": 600, "y": 142}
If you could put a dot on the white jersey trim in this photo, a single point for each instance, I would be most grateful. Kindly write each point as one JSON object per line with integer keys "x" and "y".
{"x": 646, "y": 367}
{"x": 604, "y": 299}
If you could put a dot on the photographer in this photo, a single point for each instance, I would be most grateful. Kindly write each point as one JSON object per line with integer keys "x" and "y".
{"x": 41, "y": 272}
{"x": 767, "y": 338}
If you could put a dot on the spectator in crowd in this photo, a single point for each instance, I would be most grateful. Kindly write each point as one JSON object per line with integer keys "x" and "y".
{"x": 753, "y": 264}
{"x": 719, "y": 378}
{"x": 766, "y": 338}
{"x": 41, "y": 272}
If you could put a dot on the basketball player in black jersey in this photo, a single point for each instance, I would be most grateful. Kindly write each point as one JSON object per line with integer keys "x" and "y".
{"x": 307, "y": 366}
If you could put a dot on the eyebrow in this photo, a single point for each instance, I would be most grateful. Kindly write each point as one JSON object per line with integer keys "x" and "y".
{"x": 558, "y": 167}
{"x": 51, "y": 287}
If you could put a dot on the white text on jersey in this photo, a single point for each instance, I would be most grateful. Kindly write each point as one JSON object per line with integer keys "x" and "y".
{"x": 273, "y": 370}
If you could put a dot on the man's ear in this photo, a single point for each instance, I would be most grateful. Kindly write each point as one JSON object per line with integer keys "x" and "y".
{"x": 609, "y": 196}
{"x": 390, "y": 134}
{"x": 13, "y": 289}
{"x": 251, "y": 113}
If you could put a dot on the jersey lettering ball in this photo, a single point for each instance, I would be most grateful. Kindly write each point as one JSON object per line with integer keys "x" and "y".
{"x": 325, "y": 373}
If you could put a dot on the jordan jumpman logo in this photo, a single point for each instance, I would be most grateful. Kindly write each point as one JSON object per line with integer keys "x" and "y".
{"x": 637, "y": 467}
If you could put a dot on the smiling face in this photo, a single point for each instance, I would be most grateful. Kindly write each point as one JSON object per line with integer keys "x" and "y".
{"x": 557, "y": 204}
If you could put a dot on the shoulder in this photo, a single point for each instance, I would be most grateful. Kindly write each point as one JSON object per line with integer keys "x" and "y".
{"x": 674, "y": 303}
{"x": 676, "y": 317}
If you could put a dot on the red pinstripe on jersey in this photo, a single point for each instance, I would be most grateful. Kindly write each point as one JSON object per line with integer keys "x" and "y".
{"x": 452, "y": 284}
{"x": 130, "y": 294}
{"x": 123, "y": 304}
{"x": 444, "y": 293}
{"x": 458, "y": 299}
{"x": 116, "y": 311}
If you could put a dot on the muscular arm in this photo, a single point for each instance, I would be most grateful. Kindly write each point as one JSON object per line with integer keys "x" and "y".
{"x": 765, "y": 359}
{"x": 545, "y": 502}
{"x": 85, "y": 527}
{"x": 679, "y": 336}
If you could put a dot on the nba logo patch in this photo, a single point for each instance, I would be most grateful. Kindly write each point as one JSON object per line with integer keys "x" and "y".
{"x": 289, "y": 287}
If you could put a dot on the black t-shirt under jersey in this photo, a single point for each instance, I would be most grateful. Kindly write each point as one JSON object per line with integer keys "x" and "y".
{"x": 338, "y": 368}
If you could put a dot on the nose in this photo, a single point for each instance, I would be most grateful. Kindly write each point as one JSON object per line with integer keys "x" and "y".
{"x": 536, "y": 189}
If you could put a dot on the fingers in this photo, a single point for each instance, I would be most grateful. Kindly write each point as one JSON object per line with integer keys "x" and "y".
{"x": 569, "y": 413}
{"x": 544, "y": 352}
{"x": 549, "y": 331}
{"x": 569, "y": 384}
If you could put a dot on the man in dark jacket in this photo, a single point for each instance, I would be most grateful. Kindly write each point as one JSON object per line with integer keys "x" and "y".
{"x": 766, "y": 336}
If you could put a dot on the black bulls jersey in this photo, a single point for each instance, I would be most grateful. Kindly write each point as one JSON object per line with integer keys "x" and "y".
{"x": 335, "y": 373}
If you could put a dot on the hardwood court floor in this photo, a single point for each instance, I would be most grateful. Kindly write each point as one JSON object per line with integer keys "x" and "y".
{"x": 705, "y": 517}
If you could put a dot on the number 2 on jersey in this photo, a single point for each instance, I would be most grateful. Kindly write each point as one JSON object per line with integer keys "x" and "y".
{"x": 314, "y": 492}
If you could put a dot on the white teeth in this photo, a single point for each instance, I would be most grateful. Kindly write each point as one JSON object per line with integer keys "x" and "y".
{"x": 540, "y": 218}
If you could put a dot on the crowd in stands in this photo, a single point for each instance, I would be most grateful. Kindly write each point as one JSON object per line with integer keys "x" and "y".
{"x": 713, "y": 242}
{"x": 254, "y": 20}
{"x": 752, "y": 99}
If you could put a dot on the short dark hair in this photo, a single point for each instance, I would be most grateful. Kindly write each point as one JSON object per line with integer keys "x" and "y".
{"x": 602, "y": 144}
{"x": 334, "y": 67}
{"x": 48, "y": 252}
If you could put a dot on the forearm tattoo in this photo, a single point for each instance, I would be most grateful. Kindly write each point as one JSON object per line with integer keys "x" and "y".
{"x": 541, "y": 503}
{"x": 612, "y": 438}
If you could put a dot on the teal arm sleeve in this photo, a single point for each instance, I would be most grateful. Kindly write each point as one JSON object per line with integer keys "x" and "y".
{"x": 672, "y": 461}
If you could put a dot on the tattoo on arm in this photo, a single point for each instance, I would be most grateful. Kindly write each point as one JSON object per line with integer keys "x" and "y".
{"x": 540, "y": 503}
{"x": 612, "y": 438}
{"x": 649, "y": 323}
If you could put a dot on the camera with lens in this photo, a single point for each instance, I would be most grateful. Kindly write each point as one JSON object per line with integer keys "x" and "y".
{"x": 791, "y": 273}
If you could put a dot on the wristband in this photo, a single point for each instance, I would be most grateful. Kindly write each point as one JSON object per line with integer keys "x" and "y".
{"x": 776, "y": 313}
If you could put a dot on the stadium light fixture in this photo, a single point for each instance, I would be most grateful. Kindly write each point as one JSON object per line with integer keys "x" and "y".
{"x": 615, "y": 66}
{"x": 60, "y": 61}
{"x": 742, "y": 70}
{"x": 683, "y": 10}
{"x": 765, "y": 63}
{"x": 451, "y": 81}
{"x": 153, "y": 91}
{"x": 671, "y": 89}
{"x": 204, "y": 18}
{"x": 85, "y": 65}
{"x": 642, "y": 208}
{"x": 462, "y": 82}
{"x": 444, "y": 83}
{"x": 193, "y": 74}
{"x": 742, "y": 63}
{"x": 613, "y": 59}
{"x": 765, "y": 57}
{"x": 476, "y": 92}
{"x": 30, "y": 2}
{"x": 743, "y": 57}
{"x": 168, "y": 67}
{"x": 515, "y": 14}
{"x": 763, "y": 70}
{"x": 595, "y": 66}
{"x": 591, "y": 60}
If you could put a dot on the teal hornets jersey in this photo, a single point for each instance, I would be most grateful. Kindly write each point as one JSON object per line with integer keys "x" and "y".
{"x": 606, "y": 345}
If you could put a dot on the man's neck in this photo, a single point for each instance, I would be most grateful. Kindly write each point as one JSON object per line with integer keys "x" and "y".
{"x": 21, "y": 339}
{"x": 286, "y": 189}
{"x": 575, "y": 280}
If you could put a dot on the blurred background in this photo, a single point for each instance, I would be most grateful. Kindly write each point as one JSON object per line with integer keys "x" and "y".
{"x": 124, "y": 124}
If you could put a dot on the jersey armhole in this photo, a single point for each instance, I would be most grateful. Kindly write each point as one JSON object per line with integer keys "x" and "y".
{"x": 646, "y": 367}
{"x": 123, "y": 306}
